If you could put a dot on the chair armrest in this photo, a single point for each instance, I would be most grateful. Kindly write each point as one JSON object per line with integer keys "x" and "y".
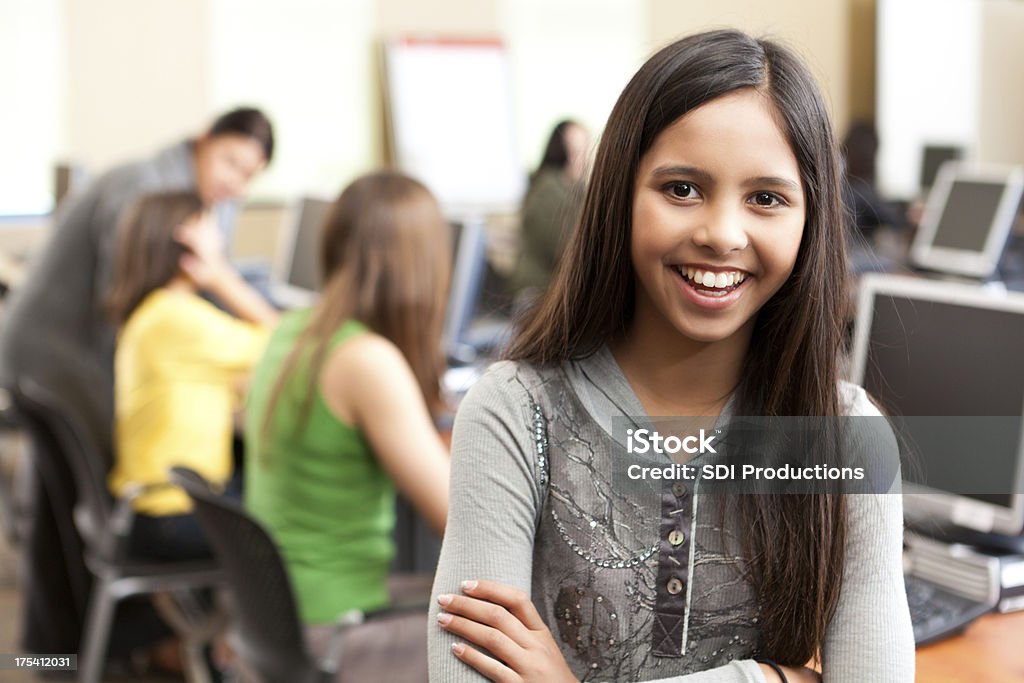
{"x": 123, "y": 514}
{"x": 122, "y": 517}
{"x": 331, "y": 660}
{"x": 8, "y": 414}
{"x": 329, "y": 663}
{"x": 396, "y": 610}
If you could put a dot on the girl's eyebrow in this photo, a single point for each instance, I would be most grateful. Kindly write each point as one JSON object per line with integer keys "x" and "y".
{"x": 701, "y": 176}
{"x": 772, "y": 181}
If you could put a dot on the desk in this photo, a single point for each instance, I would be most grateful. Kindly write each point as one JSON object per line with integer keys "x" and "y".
{"x": 991, "y": 650}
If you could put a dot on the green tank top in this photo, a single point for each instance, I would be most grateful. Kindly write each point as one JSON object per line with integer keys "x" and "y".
{"x": 320, "y": 490}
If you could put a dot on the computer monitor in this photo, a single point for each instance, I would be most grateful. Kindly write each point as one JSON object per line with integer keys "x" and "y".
{"x": 968, "y": 219}
{"x": 933, "y": 157}
{"x": 297, "y": 268}
{"x": 945, "y": 360}
{"x": 469, "y": 262}
{"x": 67, "y": 178}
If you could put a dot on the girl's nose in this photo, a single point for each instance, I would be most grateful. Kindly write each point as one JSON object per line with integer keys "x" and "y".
{"x": 722, "y": 230}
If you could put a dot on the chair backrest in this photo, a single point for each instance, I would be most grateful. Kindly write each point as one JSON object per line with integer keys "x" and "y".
{"x": 57, "y": 581}
{"x": 267, "y": 627}
{"x": 80, "y": 425}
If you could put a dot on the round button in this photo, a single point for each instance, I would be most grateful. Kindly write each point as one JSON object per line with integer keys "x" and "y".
{"x": 676, "y": 537}
{"x": 679, "y": 489}
{"x": 674, "y": 586}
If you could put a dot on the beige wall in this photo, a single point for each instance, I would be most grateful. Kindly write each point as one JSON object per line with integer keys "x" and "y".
{"x": 458, "y": 17}
{"x": 1001, "y": 102}
{"x": 129, "y": 90}
{"x": 136, "y": 73}
{"x": 862, "y": 60}
{"x": 819, "y": 31}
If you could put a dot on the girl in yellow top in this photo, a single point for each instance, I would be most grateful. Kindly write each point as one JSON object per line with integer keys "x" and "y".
{"x": 178, "y": 365}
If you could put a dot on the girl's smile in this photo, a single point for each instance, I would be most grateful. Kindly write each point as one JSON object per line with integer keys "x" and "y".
{"x": 712, "y": 287}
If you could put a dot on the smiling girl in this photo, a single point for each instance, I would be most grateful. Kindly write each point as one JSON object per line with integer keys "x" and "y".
{"x": 705, "y": 278}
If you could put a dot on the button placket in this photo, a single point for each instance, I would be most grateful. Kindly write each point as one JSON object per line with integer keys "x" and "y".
{"x": 673, "y": 572}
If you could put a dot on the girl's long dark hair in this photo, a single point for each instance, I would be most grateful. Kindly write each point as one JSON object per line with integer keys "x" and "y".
{"x": 794, "y": 544}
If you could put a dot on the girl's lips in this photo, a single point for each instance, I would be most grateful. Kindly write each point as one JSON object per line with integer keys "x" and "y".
{"x": 710, "y": 301}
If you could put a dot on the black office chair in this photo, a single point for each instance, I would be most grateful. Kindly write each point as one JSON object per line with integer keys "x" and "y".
{"x": 9, "y": 511}
{"x": 266, "y": 631}
{"x": 74, "y": 427}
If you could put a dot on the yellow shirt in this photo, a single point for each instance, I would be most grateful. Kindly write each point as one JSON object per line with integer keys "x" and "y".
{"x": 177, "y": 368}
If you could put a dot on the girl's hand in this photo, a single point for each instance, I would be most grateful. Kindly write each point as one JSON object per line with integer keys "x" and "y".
{"x": 503, "y": 620}
{"x": 205, "y": 262}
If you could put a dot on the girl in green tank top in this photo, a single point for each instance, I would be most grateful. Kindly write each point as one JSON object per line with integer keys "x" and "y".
{"x": 339, "y": 411}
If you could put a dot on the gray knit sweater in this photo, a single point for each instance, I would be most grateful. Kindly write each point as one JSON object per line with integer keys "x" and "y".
{"x": 535, "y": 504}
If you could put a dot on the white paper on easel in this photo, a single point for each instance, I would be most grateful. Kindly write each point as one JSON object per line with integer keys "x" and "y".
{"x": 451, "y": 121}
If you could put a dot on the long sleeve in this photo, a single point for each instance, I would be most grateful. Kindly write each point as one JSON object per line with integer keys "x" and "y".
{"x": 494, "y": 500}
{"x": 870, "y": 637}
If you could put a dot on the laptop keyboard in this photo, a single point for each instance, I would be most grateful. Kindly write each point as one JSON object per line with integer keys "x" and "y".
{"x": 937, "y": 613}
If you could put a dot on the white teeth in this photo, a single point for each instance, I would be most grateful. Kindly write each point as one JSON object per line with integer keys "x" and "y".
{"x": 712, "y": 280}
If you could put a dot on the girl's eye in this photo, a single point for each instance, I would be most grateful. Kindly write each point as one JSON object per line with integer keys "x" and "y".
{"x": 767, "y": 200}
{"x": 682, "y": 190}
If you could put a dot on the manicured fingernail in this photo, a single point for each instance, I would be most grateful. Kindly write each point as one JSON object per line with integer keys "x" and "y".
{"x": 468, "y": 585}
{"x": 458, "y": 649}
{"x": 444, "y": 618}
{"x": 444, "y": 599}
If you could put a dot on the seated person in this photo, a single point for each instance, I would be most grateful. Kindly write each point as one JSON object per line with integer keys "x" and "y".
{"x": 551, "y": 207}
{"x": 178, "y": 364}
{"x": 339, "y": 411}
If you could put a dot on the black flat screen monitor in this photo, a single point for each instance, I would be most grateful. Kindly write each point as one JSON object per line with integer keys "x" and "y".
{"x": 947, "y": 361}
{"x": 932, "y": 159}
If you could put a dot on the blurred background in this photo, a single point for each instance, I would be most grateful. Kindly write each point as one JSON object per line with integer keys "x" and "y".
{"x": 92, "y": 83}
{"x": 87, "y": 84}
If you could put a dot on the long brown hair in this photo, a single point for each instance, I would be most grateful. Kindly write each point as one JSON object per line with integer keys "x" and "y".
{"x": 385, "y": 259}
{"x": 147, "y": 253}
{"x": 794, "y": 544}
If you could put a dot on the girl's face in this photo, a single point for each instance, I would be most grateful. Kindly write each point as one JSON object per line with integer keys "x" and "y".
{"x": 718, "y": 213}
